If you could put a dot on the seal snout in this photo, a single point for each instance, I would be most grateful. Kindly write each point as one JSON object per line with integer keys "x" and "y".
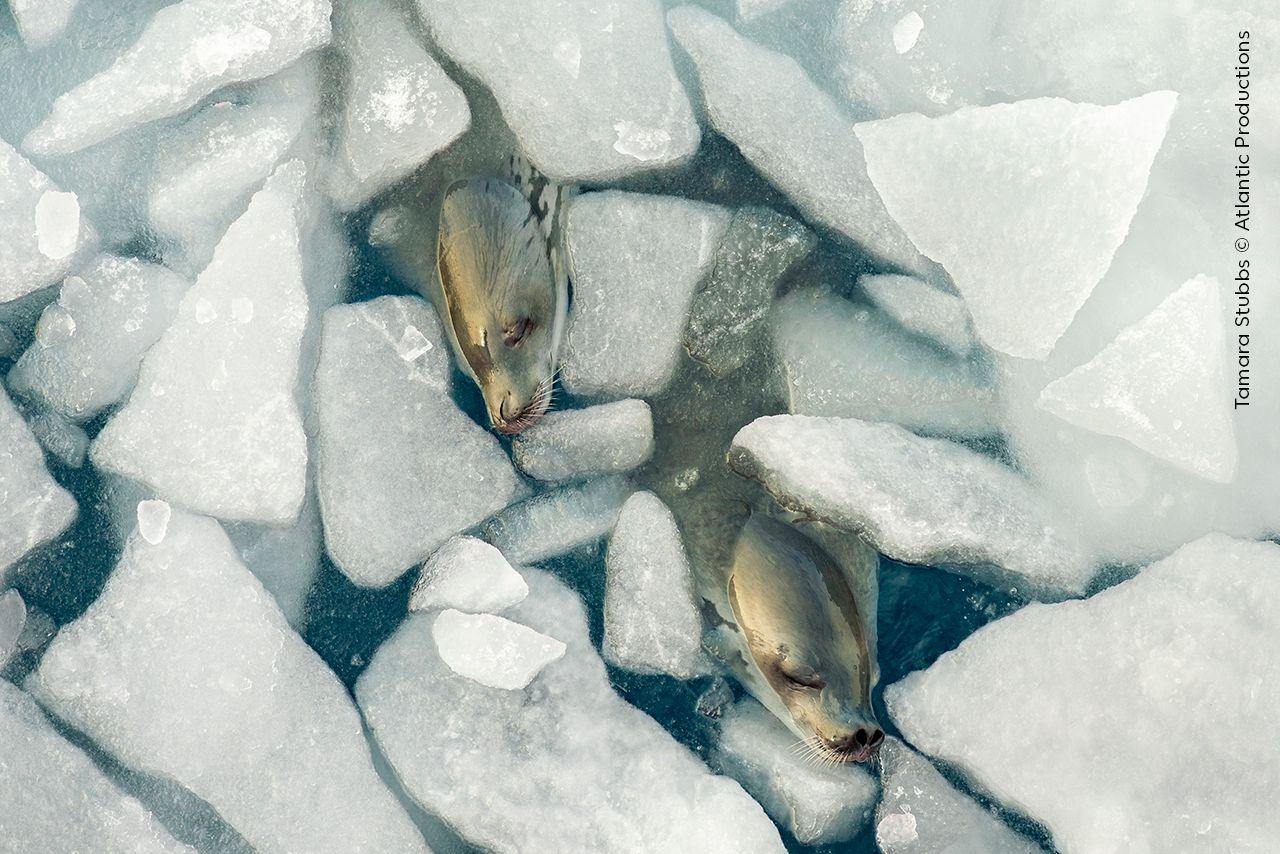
{"x": 856, "y": 745}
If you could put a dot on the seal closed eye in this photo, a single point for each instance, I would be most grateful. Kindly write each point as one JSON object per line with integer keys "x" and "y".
{"x": 504, "y": 296}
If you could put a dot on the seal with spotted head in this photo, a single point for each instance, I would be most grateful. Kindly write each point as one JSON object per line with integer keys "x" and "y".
{"x": 504, "y": 290}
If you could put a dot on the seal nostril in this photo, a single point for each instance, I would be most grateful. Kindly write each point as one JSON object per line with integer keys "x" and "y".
{"x": 860, "y": 737}
{"x": 877, "y": 736}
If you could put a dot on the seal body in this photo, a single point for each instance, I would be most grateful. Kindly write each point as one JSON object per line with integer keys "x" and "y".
{"x": 503, "y": 293}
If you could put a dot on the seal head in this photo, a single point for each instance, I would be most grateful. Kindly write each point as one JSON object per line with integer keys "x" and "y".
{"x": 810, "y": 660}
{"x": 503, "y": 305}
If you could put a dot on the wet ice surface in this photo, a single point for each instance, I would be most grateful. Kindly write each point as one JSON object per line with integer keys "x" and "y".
{"x": 936, "y": 241}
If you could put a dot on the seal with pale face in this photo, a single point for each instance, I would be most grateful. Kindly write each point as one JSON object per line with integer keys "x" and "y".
{"x": 504, "y": 295}
{"x": 804, "y": 647}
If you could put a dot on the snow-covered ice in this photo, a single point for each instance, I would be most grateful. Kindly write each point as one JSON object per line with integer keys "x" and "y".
{"x": 818, "y": 805}
{"x": 842, "y": 358}
{"x": 917, "y": 500}
{"x": 923, "y": 309}
{"x": 588, "y": 88}
{"x": 187, "y": 51}
{"x": 1140, "y": 719}
{"x": 564, "y": 764}
{"x": 207, "y": 167}
{"x": 90, "y": 342}
{"x": 213, "y": 424}
{"x": 733, "y": 300}
{"x": 44, "y": 232}
{"x": 469, "y": 575}
{"x": 651, "y": 619}
{"x": 34, "y": 508}
{"x": 53, "y": 798}
{"x": 792, "y": 131}
{"x": 1024, "y": 204}
{"x": 492, "y": 650}
{"x": 636, "y": 262}
{"x": 400, "y": 108}
{"x": 570, "y": 443}
{"x": 186, "y": 668}
{"x": 400, "y": 468}
{"x": 42, "y": 21}
{"x": 552, "y": 523}
{"x": 921, "y": 813}
{"x": 1164, "y": 384}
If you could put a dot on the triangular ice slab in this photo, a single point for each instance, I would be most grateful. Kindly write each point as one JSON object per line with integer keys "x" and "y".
{"x": 1023, "y": 203}
{"x": 1162, "y": 384}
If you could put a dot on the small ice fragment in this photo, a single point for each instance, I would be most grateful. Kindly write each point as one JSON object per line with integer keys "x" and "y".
{"x": 906, "y": 31}
{"x": 470, "y": 575}
{"x": 493, "y": 650}
{"x": 205, "y": 312}
{"x": 569, "y": 54}
{"x": 642, "y": 143}
{"x": 153, "y": 520}
{"x": 56, "y": 325}
{"x": 57, "y": 224}
{"x": 896, "y": 828}
{"x": 412, "y": 343}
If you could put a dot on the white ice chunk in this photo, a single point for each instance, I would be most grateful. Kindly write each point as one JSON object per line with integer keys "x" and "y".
{"x": 569, "y": 443}
{"x": 907, "y": 31}
{"x": 564, "y": 764}
{"x": 153, "y": 520}
{"x": 42, "y": 21}
{"x": 54, "y": 798}
{"x": 817, "y": 804}
{"x": 187, "y": 51}
{"x": 213, "y": 424}
{"x": 588, "y": 88}
{"x": 33, "y": 507}
{"x": 186, "y": 668}
{"x": 492, "y": 650}
{"x": 1140, "y": 719}
{"x": 792, "y": 131}
{"x": 66, "y": 441}
{"x": 285, "y": 558}
{"x": 922, "y": 501}
{"x": 13, "y": 618}
{"x": 42, "y": 227}
{"x": 921, "y": 813}
{"x": 401, "y": 108}
{"x": 651, "y": 618}
{"x": 556, "y": 522}
{"x": 1163, "y": 384}
{"x": 90, "y": 342}
{"x": 845, "y": 359}
{"x": 401, "y": 469}
{"x": 470, "y": 575}
{"x": 636, "y": 260}
{"x": 207, "y": 167}
{"x": 1024, "y": 204}
{"x": 923, "y": 309}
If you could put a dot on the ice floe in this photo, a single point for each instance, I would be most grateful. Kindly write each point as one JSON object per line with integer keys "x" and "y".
{"x": 651, "y": 619}
{"x": 636, "y": 262}
{"x": 1115, "y": 720}
{"x": 492, "y": 650}
{"x": 469, "y": 575}
{"x": 556, "y": 522}
{"x": 213, "y": 424}
{"x": 992, "y": 193}
{"x": 401, "y": 469}
{"x": 186, "y": 668}
{"x": 588, "y": 88}
{"x": 570, "y": 443}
